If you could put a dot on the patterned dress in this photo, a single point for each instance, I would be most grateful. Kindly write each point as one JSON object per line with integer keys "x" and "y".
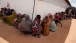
{"x": 36, "y": 27}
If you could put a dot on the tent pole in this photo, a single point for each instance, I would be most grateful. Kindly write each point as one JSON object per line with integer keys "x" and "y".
{"x": 33, "y": 10}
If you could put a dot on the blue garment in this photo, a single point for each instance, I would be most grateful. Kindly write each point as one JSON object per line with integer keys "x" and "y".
{"x": 53, "y": 26}
{"x": 8, "y": 13}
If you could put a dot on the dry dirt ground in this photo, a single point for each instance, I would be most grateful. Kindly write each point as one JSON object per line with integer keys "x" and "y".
{"x": 13, "y": 35}
{"x": 71, "y": 38}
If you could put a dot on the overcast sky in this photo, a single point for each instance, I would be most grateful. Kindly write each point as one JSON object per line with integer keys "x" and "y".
{"x": 73, "y": 2}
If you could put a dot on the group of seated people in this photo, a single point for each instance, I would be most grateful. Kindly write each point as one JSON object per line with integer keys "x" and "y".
{"x": 6, "y": 12}
{"x": 59, "y": 16}
{"x": 38, "y": 26}
{"x": 70, "y": 15}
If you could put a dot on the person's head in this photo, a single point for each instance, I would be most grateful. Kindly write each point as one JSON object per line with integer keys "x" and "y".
{"x": 19, "y": 15}
{"x": 55, "y": 13}
{"x": 38, "y": 17}
{"x": 27, "y": 17}
{"x": 5, "y": 9}
{"x": 49, "y": 14}
{"x": 24, "y": 15}
{"x": 51, "y": 17}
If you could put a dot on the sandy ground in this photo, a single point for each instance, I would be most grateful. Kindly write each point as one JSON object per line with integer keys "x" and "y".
{"x": 71, "y": 38}
{"x": 13, "y": 35}
{"x": 2, "y": 40}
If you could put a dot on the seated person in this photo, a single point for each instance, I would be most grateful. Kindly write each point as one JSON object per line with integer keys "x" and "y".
{"x": 26, "y": 25}
{"x": 52, "y": 24}
{"x": 58, "y": 16}
{"x": 57, "y": 19}
{"x": 17, "y": 21}
{"x": 8, "y": 12}
{"x": 46, "y": 25}
{"x": 37, "y": 27}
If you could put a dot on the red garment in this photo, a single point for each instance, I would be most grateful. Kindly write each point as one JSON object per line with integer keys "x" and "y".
{"x": 36, "y": 27}
{"x": 57, "y": 16}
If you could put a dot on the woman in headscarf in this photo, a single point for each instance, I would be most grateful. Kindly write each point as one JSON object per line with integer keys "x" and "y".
{"x": 52, "y": 24}
{"x": 37, "y": 27}
{"x": 26, "y": 25}
{"x": 46, "y": 25}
